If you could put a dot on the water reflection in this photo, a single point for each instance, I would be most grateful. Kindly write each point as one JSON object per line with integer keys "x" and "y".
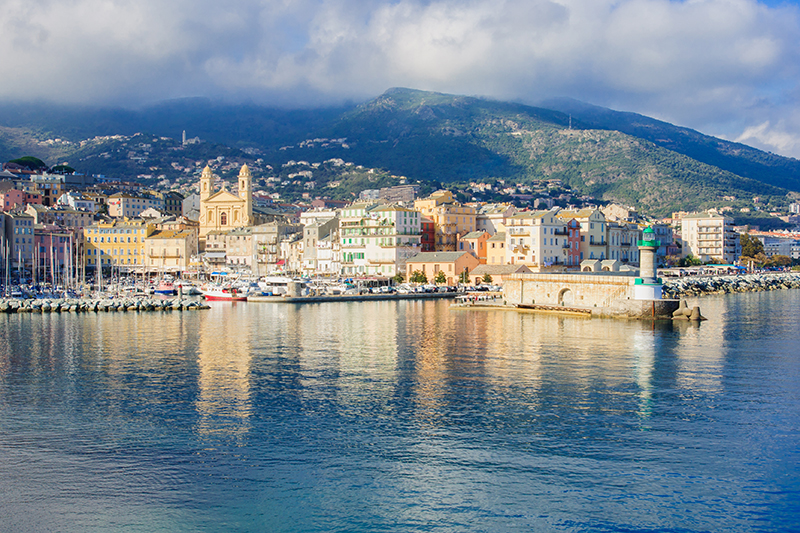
{"x": 224, "y": 357}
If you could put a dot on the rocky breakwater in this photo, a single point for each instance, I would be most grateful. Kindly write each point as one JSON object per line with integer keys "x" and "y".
{"x": 11, "y": 305}
{"x": 702, "y": 285}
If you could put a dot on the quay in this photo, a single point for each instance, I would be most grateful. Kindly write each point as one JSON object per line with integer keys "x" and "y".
{"x": 351, "y": 297}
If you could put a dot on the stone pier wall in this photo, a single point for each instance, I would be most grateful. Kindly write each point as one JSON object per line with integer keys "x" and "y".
{"x": 581, "y": 290}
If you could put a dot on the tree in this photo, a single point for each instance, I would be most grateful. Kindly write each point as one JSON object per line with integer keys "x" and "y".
{"x": 441, "y": 279}
{"x": 30, "y": 162}
{"x": 751, "y": 246}
{"x": 464, "y": 277}
{"x": 418, "y": 277}
{"x": 779, "y": 260}
{"x": 486, "y": 279}
{"x": 689, "y": 260}
{"x": 399, "y": 278}
{"x": 62, "y": 169}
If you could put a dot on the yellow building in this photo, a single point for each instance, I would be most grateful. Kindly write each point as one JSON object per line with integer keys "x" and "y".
{"x": 223, "y": 210}
{"x": 451, "y": 219}
{"x": 116, "y": 243}
{"x": 170, "y": 250}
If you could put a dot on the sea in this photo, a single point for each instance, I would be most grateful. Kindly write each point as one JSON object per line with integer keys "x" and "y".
{"x": 401, "y": 416}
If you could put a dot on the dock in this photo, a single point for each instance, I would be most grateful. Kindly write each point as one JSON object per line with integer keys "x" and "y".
{"x": 351, "y": 297}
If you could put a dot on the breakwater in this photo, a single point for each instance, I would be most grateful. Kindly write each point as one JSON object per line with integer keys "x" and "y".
{"x": 702, "y": 285}
{"x": 95, "y": 305}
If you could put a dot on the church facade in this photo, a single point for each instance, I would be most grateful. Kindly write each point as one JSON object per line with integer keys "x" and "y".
{"x": 222, "y": 210}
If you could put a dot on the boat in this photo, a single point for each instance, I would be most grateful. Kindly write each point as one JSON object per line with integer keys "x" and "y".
{"x": 223, "y": 293}
{"x": 166, "y": 287}
{"x": 274, "y": 285}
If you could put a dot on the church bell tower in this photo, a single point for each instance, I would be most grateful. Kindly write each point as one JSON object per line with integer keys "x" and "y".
{"x": 246, "y": 193}
{"x": 206, "y": 182}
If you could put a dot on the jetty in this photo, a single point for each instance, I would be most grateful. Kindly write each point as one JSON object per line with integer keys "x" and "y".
{"x": 706, "y": 285}
{"x": 98, "y": 305}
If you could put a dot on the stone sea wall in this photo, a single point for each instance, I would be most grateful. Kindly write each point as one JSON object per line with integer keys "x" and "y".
{"x": 12, "y": 305}
{"x": 701, "y": 285}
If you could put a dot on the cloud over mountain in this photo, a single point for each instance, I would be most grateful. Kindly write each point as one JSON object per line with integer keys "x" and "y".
{"x": 725, "y": 67}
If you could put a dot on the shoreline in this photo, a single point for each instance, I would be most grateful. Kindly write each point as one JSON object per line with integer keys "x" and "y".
{"x": 707, "y": 285}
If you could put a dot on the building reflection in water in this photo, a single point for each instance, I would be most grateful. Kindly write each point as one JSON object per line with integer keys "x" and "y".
{"x": 224, "y": 357}
{"x": 346, "y": 353}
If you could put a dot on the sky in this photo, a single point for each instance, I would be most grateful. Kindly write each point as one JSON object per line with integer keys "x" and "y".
{"x": 729, "y": 68}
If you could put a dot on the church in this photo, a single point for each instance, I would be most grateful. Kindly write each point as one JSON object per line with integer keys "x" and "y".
{"x": 223, "y": 210}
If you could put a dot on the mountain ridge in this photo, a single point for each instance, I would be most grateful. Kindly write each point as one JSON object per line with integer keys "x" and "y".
{"x": 443, "y": 138}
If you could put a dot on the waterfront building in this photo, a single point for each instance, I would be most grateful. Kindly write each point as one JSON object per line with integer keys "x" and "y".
{"x": 317, "y": 229}
{"x": 170, "y": 250}
{"x": 329, "y": 255}
{"x": 52, "y": 248}
{"x": 622, "y": 237}
{"x": 239, "y": 249}
{"x": 427, "y": 234}
{"x": 710, "y": 237}
{"x": 453, "y": 264}
{"x": 574, "y": 242}
{"x": 19, "y": 237}
{"x": 292, "y": 253}
{"x": 378, "y": 239}
{"x": 474, "y": 243}
{"x": 117, "y": 243}
{"x": 215, "y": 255}
{"x": 451, "y": 219}
{"x": 267, "y": 240}
{"x": 536, "y": 238}
{"x": 593, "y": 231}
{"x": 496, "y": 249}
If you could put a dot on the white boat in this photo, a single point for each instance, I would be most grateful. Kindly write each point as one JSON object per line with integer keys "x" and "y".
{"x": 223, "y": 293}
{"x": 274, "y": 285}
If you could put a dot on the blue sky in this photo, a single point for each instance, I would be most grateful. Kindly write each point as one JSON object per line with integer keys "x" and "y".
{"x": 729, "y": 68}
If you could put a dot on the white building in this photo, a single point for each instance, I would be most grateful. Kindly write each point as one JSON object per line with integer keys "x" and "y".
{"x": 492, "y": 218}
{"x": 377, "y": 240}
{"x": 537, "y": 239}
{"x": 77, "y": 201}
{"x": 709, "y": 237}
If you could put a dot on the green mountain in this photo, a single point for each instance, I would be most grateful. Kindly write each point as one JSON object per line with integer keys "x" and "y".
{"x": 427, "y": 136}
{"x": 734, "y": 157}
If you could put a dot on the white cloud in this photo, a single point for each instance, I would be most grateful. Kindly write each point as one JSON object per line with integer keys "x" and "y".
{"x": 721, "y": 66}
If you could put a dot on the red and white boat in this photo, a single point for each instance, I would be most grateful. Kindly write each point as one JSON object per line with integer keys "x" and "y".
{"x": 225, "y": 293}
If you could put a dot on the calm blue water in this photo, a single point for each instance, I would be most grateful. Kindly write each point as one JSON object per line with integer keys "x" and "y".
{"x": 401, "y": 416}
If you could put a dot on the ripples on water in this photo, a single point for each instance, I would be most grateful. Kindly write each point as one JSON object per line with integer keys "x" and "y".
{"x": 400, "y": 416}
